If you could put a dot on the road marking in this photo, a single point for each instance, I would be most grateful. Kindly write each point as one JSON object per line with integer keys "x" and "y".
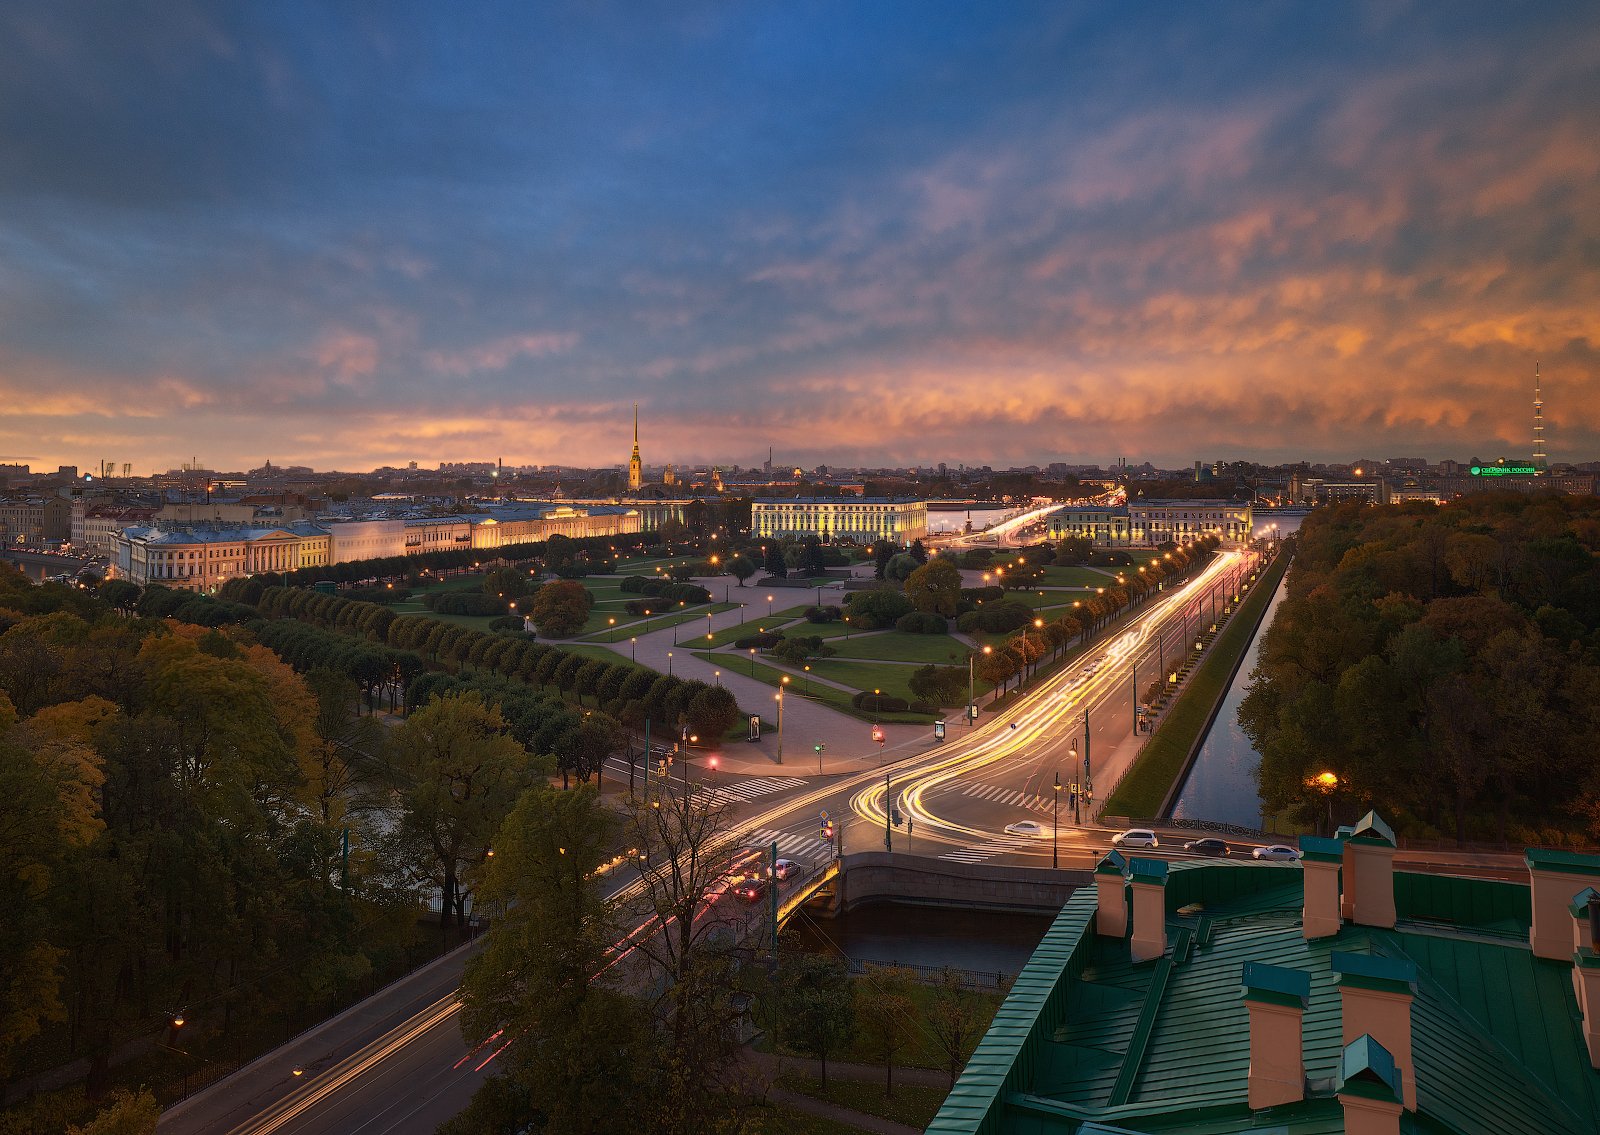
{"x": 792, "y": 846}
{"x": 977, "y": 853}
{"x": 1031, "y": 800}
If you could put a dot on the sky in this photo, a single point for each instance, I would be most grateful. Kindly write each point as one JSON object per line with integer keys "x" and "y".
{"x": 879, "y": 233}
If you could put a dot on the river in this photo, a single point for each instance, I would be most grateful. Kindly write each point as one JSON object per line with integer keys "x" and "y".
{"x": 1222, "y": 783}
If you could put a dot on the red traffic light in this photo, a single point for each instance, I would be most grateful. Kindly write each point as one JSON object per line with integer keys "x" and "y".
{"x": 877, "y": 734}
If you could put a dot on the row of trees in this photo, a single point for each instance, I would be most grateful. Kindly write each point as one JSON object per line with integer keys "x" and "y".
{"x": 1439, "y": 663}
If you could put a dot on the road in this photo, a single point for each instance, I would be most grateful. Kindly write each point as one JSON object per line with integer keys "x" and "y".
{"x": 406, "y": 1072}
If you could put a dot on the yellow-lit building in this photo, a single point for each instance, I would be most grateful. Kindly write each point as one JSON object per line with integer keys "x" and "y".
{"x": 862, "y": 520}
{"x": 1146, "y": 523}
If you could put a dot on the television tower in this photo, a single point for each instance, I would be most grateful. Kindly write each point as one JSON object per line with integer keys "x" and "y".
{"x": 1538, "y": 420}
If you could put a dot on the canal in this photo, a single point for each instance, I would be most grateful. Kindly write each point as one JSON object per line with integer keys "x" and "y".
{"x": 1222, "y": 784}
{"x": 984, "y": 941}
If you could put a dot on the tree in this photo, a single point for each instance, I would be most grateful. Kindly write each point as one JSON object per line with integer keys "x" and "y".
{"x": 577, "y": 1046}
{"x": 460, "y": 775}
{"x": 935, "y": 587}
{"x": 774, "y": 563}
{"x": 561, "y": 607}
{"x": 818, "y": 1007}
{"x": 918, "y": 552}
{"x": 938, "y": 685}
{"x": 888, "y": 1015}
{"x": 1074, "y": 550}
{"x": 882, "y": 552}
{"x": 955, "y": 1021}
{"x": 812, "y": 562}
{"x": 741, "y": 568}
{"x": 346, "y": 745}
{"x": 900, "y": 567}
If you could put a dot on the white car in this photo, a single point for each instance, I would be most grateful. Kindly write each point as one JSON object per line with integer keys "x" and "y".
{"x": 1136, "y": 837}
{"x": 1024, "y": 827}
{"x": 783, "y": 868}
{"x": 1276, "y": 853}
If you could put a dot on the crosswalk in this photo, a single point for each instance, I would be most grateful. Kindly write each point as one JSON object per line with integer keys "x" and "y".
{"x": 977, "y": 853}
{"x": 792, "y": 845}
{"x": 752, "y": 789}
{"x": 1030, "y": 800}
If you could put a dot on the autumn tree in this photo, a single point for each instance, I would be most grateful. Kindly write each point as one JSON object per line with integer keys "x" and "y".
{"x": 560, "y": 608}
{"x": 935, "y": 587}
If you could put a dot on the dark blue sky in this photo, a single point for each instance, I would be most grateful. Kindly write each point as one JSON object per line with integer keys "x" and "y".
{"x": 351, "y": 234}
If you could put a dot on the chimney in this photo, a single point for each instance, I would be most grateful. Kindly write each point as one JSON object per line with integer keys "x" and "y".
{"x": 1375, "y": 1000}
{"x": 1555, "y": 876}
{"x": 1585, "y": 911}
{"x": 1149, "y": 878}
{"x": 1111, "y": 890}
{"x": 1320, "y": 860}
{"x": 1369, "y": 872}
{"x": 1276, "y": 999}
{"x": 1369, "y": 1088}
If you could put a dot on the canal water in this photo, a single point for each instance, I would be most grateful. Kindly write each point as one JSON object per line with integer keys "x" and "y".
{"x": 886, "y": 932}
{"x": 1222, "y": 783}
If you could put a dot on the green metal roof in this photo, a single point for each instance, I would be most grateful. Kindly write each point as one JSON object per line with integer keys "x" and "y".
{"x": 1277, "y": 984}
{"x": 1319, "y": 849}
{"x": 1570, "y": 862}
{"x": 1148, "y": 870}
{"x": 1372, "y": 971}
{"x": 1087, "y": 1038}
{"x": 1371, "y": 828}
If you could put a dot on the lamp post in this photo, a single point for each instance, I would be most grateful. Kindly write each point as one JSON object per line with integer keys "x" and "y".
{"x": 1055, "y": 823}
{"x": 669, "y": 663}
{"x": 611, "y": 634}
{"x": 972, "y": 697}
{"x": 781, "y": 686}
{"x": 769, "y": 606}
{"x": 635, "y": 647}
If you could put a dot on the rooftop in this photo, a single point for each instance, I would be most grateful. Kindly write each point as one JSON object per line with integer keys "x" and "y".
{"x": 1090, "y": 1042}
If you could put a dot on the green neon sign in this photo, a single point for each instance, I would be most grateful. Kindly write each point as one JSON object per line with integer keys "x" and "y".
{"x": 1505, "y": 470}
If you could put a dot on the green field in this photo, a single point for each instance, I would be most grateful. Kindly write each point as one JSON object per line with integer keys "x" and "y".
{"x": 799, "y": 687}
{"x": 639, "y": 625}
{"x": 895, "y": 646}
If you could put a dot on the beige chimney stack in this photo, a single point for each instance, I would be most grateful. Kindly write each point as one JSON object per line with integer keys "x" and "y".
{"x": 1555, "y": 877}
{"x": 1149, "y": 878}
{"x": 1111, "y": 892}
{"x": 1320, "y": 861}
{"x": 1586, "y": 970}
{"x": 1369, "y": 872}
{"x": 1276, "y": 999}
{"x": 1375, "y": 996}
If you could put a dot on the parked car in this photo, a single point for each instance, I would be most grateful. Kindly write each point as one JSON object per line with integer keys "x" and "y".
{"x": 1210, "y": 845}
{"x": 1277, "y": 853}
{"x": 1024, "y": 827}
{"x": 1136, "y": 837}
{"x": 785, "y": 867}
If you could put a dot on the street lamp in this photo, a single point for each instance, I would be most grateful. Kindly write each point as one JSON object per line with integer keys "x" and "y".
{"x": 769, "y": 606}
{"x": 972, "y": 697}
{"x": 781, "y": 685}
{"x": 611, "y": 635}
{"x": 635, "y": 648}
{"x": 669, "y": 663}
{"x": 1055, "y": 823}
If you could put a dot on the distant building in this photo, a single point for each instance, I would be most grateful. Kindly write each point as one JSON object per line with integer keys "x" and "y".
{"x": 1334, "y": 995}
{"x": 1146, "y": 523}
{"x": 862, "y": 520}
{"x": 203, "y": 558}
{"x": 31, "y": 521}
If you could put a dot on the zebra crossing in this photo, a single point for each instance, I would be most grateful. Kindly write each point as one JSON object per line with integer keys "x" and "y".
{"x": 753, "y": 789}
{"x": 792, "y": 845}
{"x": 1031, "y": 800}
{"x": 977, "y": 853}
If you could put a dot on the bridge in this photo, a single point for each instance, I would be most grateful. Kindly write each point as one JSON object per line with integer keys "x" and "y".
{"x": 39, "y": 566}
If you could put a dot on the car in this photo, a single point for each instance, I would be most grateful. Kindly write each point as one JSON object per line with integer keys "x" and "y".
{"x": 1136, "y": 837}
{"x": 1024, "y": 827}
{"x": 752, "y": 890}
{"x": 783, "y": 868}
{"x": 1210, "y": 845}
{"x": 1276, "y": 853}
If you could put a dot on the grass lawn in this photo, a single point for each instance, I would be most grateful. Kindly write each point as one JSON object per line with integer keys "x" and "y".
{"x": 915, "y": 1105}
{"x": 643, "y": 626}
{"x": 900, "y": 647}
{"x": 589, "y": 650}
{"x": 798, "y": 687}
{"x": 1062, "y": 576}
{"x": 1146, "y": 784}
{"x": 754, "y": 621}
{"x": 868, "y": 676}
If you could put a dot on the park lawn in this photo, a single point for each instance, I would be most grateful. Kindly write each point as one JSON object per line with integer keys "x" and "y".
{"x": 655, "y": 623}
{"x": 892, "y": 679}
{"x": 914, "y": 1105}
{"x": 1145, "y": 786}
{"x": 1058, "y": 575}
{"x": 897, "y": 646}
{"x": 799, "y": 687}
{"x": 590, "y": 650}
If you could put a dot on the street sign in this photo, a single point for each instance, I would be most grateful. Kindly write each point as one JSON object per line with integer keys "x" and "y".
{"x": 938, "y": 730}
{"x": 877, "y": 734}
{"x": 972, "y": 711}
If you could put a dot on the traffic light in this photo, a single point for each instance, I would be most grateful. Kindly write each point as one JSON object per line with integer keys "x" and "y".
{"x": 827, "y": 830}
{"x": 820, "y": 748}
{"x": 877, "y": 734}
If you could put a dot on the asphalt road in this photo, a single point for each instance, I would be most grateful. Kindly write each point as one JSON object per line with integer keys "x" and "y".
{"x": 398, "y": 1064}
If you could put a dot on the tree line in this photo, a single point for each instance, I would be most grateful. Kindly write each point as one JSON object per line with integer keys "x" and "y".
{"x": 1441, "y": 664}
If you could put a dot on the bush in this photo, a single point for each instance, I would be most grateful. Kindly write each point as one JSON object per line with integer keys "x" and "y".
{"x": 884, "y": 604}
{"x": 384, "y": 595}
{"x": 635, "y": 584}
{"x": 506, "y": 623}
{"x": 880, "y": 703}
{"x": 823, "y": 614}
{"x": 921, "y": 622}
{"x": 764, "y": 640}
{"x": 463, "y": 603}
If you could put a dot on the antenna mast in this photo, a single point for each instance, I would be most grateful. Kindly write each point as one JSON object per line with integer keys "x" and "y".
{"x": 1538, "y": 420}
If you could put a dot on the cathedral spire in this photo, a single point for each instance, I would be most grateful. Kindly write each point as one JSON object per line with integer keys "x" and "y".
{"x": 635, "y": 467}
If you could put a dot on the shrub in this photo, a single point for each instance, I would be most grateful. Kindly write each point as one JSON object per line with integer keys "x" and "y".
{"x": 464, "y": 603}
{"x": 885, "y": 604}
{"x": 921, "y": 622}
{"x": 880, "y": 703}
{"x": 764, "y": 640}
{"x": 822, "y": 614}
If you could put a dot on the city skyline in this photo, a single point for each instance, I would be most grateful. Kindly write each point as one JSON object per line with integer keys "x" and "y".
{"x": 885, "y": 237}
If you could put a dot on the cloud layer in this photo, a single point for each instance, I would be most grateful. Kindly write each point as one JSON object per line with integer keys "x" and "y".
{"x": 872, "y": 234}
